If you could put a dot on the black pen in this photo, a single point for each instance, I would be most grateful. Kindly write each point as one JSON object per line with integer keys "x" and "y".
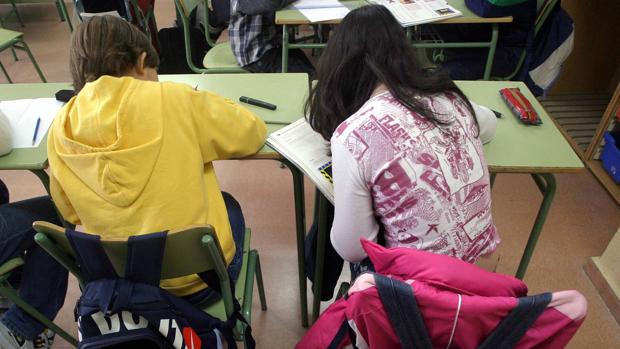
{"x": 36, "y": 131}
{"x": 257, "y": 103}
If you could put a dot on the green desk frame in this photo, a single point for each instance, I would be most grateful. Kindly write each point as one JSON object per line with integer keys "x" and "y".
{"x": 292, "y": 17}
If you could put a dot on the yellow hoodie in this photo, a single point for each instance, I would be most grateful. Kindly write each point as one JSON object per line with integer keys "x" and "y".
{"x": 131, "y": 157}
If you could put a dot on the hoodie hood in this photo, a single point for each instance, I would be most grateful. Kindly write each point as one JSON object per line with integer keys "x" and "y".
{"x": 94, "y": 141}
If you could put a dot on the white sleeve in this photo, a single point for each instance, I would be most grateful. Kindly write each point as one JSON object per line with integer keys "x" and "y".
{"x": 487, "y": 122}
{"x": 354, "y": 215}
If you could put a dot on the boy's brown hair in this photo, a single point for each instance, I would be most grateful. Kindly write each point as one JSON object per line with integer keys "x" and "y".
{"x": 107, "y": 45}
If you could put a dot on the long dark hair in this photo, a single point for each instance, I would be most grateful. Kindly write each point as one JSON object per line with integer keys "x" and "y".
{"x": 370, "y": 48}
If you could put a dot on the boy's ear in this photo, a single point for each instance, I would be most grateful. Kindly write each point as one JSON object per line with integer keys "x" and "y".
{"x": 140, "y": 63}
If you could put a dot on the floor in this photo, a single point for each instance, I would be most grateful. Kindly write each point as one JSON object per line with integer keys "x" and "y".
{"x": 581, "y": 222}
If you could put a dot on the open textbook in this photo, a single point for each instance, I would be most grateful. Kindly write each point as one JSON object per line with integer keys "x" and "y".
{"x": 308, "y": 151}
{"x": 414, "y": 12}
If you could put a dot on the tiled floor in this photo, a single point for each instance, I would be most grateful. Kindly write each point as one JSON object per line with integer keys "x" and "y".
{"x": 581, "y": 221}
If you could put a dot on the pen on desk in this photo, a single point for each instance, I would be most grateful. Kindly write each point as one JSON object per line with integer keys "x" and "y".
{"x": 276, "y": 122}
{"x": 36, "y": 131}
{"x": 257, "y": 103}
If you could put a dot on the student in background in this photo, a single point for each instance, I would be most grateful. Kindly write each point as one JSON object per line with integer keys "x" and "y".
{"x": 256, "y": 40}
{"x": 469, "y": 64}
{"x": 408, "y": 164}
{"x": 130, "y": 155}
{"x": 43, "y": 282}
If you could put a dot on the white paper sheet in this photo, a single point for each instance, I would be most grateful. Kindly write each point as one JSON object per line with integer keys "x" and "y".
{"x": 23, "y": 115}
{"x": 308, "y": 4}
{"x": 321, "y": 10}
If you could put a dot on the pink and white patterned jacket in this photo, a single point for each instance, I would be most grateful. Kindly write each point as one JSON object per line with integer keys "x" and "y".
{"x": 426, "y": 183}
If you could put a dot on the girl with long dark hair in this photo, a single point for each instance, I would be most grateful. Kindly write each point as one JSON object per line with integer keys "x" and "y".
{"x": 406, "y": 145}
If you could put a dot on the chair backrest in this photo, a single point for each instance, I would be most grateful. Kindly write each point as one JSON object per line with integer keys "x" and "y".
{"x": 188, "y": 251}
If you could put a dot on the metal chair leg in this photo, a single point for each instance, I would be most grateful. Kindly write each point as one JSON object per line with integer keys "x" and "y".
{"x": 19, "y": 17}
{"x": 14, "y": 54}
{"x": 259, "y": 282}
{"x": 5, "y": 73}
{"x": 34, "y": 61}
{"x": 11, "y": 294}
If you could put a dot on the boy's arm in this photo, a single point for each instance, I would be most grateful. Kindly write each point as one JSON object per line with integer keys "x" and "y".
{"x": 257, "y": 7}
{"x": 225, "y": 129}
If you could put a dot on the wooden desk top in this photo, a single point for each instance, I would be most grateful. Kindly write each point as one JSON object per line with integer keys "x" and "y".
{"x": 294, "y": 17}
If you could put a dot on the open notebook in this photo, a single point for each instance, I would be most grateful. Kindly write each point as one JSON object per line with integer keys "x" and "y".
{"x": 414, "y": 12}
{"x": 308, "y": 151}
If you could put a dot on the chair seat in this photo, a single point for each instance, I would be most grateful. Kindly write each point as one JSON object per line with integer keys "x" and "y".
{"x": 220, "y": 56}
{"x": 7, "y": 37}
{"x": 217, "y": 309}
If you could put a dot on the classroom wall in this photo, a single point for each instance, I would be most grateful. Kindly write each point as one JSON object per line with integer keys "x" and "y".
{"x": 596, "y": 55}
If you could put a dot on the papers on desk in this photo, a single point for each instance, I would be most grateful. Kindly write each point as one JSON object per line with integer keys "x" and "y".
{"x": 321, "y": 10}
{"x": 23, "y": 115}
{"x": 308, "y": 151}
{"x": 414, "y": 12}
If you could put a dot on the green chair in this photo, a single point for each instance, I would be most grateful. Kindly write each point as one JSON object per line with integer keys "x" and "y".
{"x": 199, "y": 242}
{"x": 12, "y": 11}
{"x": 14, "y": 40}
{"x": 60, "y": 6}
{"x": 220, "y": 58}
{"x": 7, "y": 291}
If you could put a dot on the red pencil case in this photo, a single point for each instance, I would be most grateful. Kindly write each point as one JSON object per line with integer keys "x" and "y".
{"x": 520, "y": 105}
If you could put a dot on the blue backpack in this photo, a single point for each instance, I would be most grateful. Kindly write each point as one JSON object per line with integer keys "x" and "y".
{"x": 133, "y": 311}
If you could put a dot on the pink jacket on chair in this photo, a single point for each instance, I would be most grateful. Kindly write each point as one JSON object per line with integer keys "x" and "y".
{"x": 461, "y": 304}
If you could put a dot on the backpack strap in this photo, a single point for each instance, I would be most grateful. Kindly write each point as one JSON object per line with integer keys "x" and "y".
{"x": 514, "y": 326}
{"x": 90, "y": 256}
{"x": 402, "y": 309}
{"x": 145, "y": 256}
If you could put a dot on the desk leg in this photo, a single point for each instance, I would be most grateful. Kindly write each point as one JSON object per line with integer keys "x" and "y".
{"x": 300, "y": 228}
{"x": 491, "y": 56}
{"x": 546, "y": 184}
{"x": 320, "y": 255}
{"x": 285, "y": 42}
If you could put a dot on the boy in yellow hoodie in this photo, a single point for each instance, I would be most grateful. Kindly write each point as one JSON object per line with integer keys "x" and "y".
{"x": 130, "y": 155}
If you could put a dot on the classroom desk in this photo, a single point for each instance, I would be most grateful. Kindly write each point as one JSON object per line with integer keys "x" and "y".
{"x": 287, "y": 91}
{"x": 540, "y": 151}
{"x": 292, "y": 17}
